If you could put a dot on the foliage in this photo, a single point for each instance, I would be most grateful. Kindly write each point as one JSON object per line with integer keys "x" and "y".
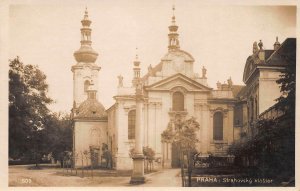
{"x": 28, "y": 102}
{"x": 33, "y": 129}
{"x": 183, "y": 134}
{"x": 274, "y": 145}
{"x": 287, "y": 81}
{"x": 107, "y": 155}
{"x": 167, "y": 135}
{"x": 149, "y": 153}
{"x": 59, "y": 134}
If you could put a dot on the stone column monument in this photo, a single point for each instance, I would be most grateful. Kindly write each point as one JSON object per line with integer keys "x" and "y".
{"x": 137, "y": 176}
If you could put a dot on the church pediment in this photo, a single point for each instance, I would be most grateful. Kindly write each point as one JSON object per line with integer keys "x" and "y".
{"x": 177, "y": 80}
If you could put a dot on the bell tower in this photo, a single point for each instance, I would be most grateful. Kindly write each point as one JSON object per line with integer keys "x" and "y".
{"x": 136, "y": 71}
{"x": 173, "y": 35}
{"x": 85, "y": 71}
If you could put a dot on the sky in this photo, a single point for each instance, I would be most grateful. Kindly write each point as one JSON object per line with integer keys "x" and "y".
{"x": 219, "y": 36}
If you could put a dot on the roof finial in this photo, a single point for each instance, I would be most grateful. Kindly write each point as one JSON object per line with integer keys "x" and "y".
{"x": 173, "y": 35}
{"x": 173, "y": 17}
{"x": 276, "y": 44}
{"x": 136, "y": 53}
{"x": 173, "y": 8}
{"x": 136, "y": 61}
{"x": 86, "y": 13}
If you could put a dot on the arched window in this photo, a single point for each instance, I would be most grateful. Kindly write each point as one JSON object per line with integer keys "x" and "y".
{"x": 218, "y": 126}
{"x": 86, "y": 85}
{"x": 178, "y": 101}
{"x": 131, "y": 124}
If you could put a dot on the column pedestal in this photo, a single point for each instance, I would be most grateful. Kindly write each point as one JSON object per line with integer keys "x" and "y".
{"x": 137, "y": 176}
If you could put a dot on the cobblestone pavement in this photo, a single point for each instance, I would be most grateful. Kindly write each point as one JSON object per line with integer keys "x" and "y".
{"x": 53, "y": 177}
{"x": 164, "y": 178}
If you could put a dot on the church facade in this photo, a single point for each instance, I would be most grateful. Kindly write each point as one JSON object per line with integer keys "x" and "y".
{"x": 172, "y": 91}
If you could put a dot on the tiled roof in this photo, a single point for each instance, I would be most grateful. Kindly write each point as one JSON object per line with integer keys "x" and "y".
{"x": 287, "y": 49}
{"x": 91, "y": 109}
{"x": 268, "y": 53}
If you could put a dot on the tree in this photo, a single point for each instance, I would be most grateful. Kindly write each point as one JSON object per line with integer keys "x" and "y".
{"x": 28, "y": 110}
{"x": 287, "y": 82}
{"x": 274, "y": 145}
{"x": 149, "y": 154}
{"x": 183, "y": 134}
{"x": 107, "y": 155}
{"x": 59, "y": 134}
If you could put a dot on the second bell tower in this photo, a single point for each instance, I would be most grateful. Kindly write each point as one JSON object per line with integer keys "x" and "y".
{"x": 85, "y": 71}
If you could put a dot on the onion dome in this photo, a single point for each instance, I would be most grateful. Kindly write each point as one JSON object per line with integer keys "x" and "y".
{"x": 86, "y": 53}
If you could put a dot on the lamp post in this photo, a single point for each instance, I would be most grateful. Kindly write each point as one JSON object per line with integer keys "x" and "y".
{"x": 137, "y": 176}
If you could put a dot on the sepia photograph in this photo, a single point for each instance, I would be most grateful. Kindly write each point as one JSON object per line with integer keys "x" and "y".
{"x": 151, "y": 94}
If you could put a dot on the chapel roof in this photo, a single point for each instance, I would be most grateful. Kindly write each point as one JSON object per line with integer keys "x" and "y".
{"x": 91, "y": 109}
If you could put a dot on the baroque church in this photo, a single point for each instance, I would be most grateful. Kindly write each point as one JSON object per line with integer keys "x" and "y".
{"x": 171, "y": 91}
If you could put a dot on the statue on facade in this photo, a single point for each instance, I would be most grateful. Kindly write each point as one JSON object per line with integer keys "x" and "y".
{"x": 260, "y": 44}
{"x": 229, "y": 81}
{"x": 255, "y": 48}
{"x": 139, "y": 88}
{"x": 120, "y": 81}
{"x": 219, "y": 85}
{"x": 150, "y": 70}
{"x": 204, "y": 72}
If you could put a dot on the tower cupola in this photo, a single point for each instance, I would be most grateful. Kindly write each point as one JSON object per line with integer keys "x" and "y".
{"x": 173, "y": 35}
{"x": 86, "y": 53}
{"x": 136, "y": 70}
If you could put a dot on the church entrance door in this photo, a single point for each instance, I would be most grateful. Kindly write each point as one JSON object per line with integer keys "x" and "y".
{"x": 175, "y": 156}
